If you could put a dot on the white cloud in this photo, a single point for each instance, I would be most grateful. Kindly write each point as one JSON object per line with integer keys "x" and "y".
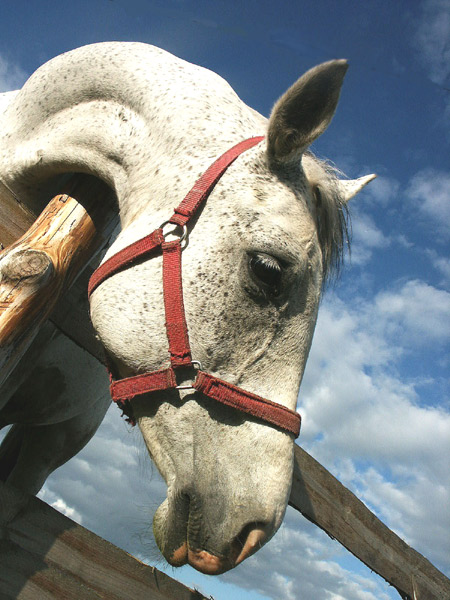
{"x": 416, "y": 506}
{"x": 432, "y": 39}
{"x": 441, "y": 264}
{"x": 418, "y": 313}
{"x": 403, "y": 241}
{"x": 382, "y": 190}
{"x": 61, "y": 506}
{"x": 366, "y": 237}
{"x": 302, "y": 562}
{"x": 366, "y": 422}
{"x": 12, "y": 76}
{"x": 429, "y": 193}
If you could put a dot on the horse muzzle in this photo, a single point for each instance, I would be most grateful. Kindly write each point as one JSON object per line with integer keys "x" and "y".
{"x": 201, "y": 539}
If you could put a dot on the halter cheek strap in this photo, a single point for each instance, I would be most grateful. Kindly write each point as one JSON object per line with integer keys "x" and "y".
{"x": 124, "y": 390}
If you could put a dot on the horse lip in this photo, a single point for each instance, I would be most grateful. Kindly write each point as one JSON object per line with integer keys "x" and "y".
{"x": 201, "y": 560}
{"x": 180, "y": 556}
{"x": 170, "y": 531}
{"x": 208, "y": 563}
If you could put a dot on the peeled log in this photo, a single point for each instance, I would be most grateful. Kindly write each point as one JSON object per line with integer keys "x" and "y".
{"x": 23, "y": 273}
{"x": 44, "y": 262}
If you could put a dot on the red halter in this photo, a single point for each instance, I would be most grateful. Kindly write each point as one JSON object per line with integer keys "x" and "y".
{"x": 124, "y": 390}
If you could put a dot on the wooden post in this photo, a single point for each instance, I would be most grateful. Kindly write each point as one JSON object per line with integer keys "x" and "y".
{"x": 36, "y": 269}
{"x": 324, "y": 501}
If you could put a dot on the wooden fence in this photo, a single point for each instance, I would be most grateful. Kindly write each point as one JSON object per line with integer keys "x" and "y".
{"x": 44, "y": 551}
{"x": 46, "y": 556}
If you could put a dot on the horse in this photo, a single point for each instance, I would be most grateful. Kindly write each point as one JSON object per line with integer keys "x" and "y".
{"x": 259, "y": 253}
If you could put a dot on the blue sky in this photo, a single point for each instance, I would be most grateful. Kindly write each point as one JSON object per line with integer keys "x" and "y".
{"x": 374, "y": 400}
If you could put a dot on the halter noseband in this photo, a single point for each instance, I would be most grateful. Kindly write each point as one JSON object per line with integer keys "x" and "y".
{"x": 124, "y": 390}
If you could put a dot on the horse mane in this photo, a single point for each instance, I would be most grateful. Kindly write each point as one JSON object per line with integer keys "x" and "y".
{"x": 332, "y": 215}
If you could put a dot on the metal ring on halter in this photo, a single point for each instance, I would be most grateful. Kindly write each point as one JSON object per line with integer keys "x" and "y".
{"x": 190, "y": 386}
{"x": 184, "y": 232}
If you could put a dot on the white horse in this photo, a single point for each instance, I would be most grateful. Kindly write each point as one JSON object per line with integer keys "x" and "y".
{"x": 272, "y": 230}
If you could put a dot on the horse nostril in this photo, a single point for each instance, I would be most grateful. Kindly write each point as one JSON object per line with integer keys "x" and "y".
{"x": 251, "y": 538}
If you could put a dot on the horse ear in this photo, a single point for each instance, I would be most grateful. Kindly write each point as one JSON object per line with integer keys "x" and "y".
{"x": 351, "y": 187}
{"x": 304, "y": 111}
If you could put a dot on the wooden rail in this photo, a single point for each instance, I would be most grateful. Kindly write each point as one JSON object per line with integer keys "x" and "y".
{"x": 47, "y": 556}
{"x": 322, "y": 499}
{"x": 315, "y": 492}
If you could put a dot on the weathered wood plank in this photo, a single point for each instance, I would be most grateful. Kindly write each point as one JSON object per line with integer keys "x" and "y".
{"x": 45, "y": 555}
{"x": 322, "y": 499}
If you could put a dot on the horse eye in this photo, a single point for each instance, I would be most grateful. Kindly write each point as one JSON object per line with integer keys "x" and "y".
{"x": 317, "y": 195}
{"x": 267, "y": 270}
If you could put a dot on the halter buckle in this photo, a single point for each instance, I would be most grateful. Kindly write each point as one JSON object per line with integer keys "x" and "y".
{"x": 189, "y": 386}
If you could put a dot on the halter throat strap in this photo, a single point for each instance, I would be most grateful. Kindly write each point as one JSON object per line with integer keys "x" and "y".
{"x": 124, "y": 390}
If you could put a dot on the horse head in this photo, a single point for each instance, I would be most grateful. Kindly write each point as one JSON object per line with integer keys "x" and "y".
{"x": 271, "y": 232}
